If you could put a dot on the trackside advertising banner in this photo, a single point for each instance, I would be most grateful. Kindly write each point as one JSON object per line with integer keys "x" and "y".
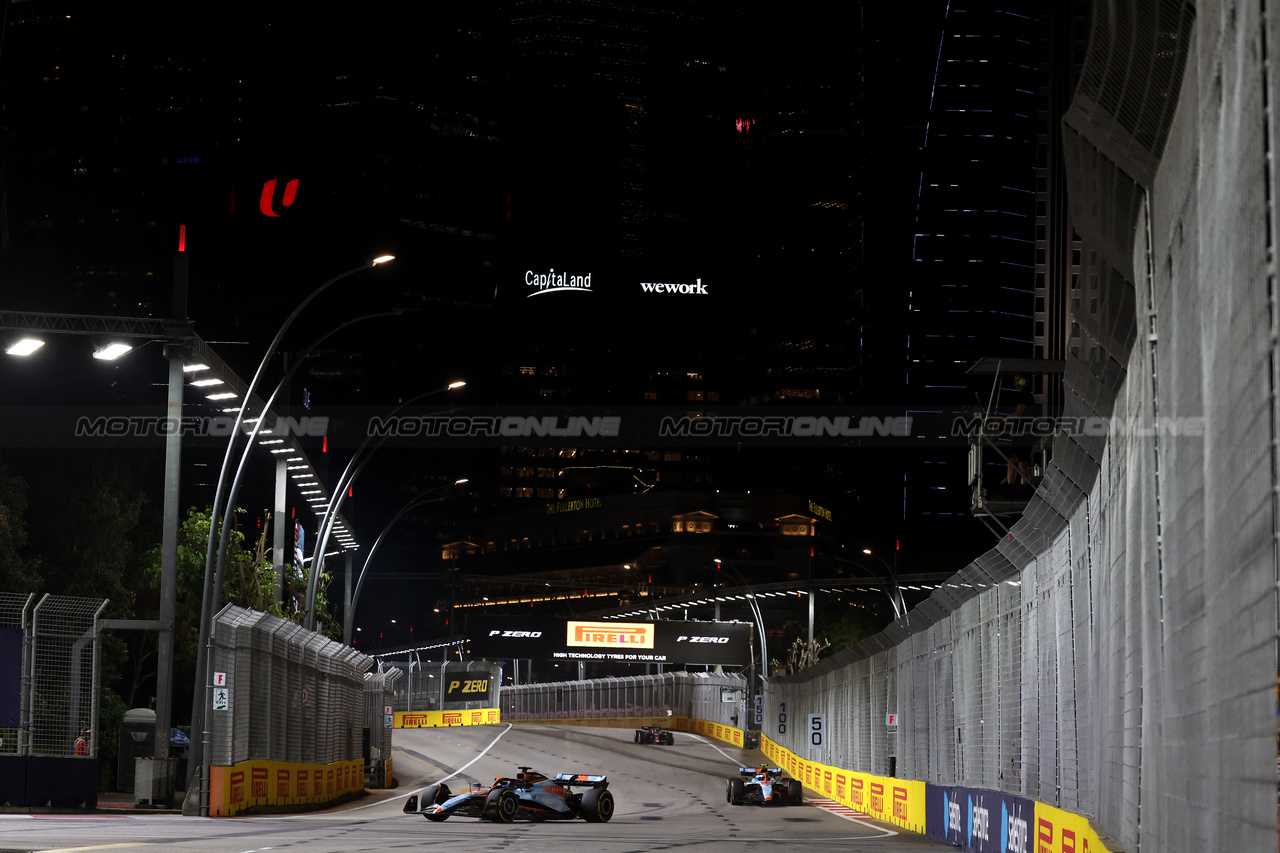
{"x": 438, "y": 719}
{"x": 1058, "y": 831}
{"x": 897, "y": 801}
{"x": 980, "y": 820}
{"x": 279, "y": 783}
{"x": 542, "y": 638}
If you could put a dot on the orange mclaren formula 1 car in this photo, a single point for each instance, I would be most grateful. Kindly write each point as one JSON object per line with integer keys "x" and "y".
{"x": 529, "y": 796}
{"x": 764, "y": 785}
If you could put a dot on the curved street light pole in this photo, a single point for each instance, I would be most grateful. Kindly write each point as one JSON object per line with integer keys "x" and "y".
{"x": 224, "y": 537}
{"x": 895, "y": 598}
{"x": 755, "y": 609}
{"x": 348, "y": 618}
{"x": 349, "y": 474}
{"x": 208, "y": 601}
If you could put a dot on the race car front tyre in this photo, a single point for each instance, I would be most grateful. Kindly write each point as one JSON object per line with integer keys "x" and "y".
{"x": 733, "y": 792}
{"x": 506, "y": 805}
{"x": 597, "y": 805}
{"x": 795, "y": 793}
{"x": 437, "y": 818}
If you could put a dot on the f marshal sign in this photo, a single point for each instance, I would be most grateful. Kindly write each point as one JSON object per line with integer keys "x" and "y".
{"x": 610, "y": 635}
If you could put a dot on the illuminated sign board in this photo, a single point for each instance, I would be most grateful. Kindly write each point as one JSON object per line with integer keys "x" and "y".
{"x": 697, "y": 288}
{"x": 556, "y": 282}
{"x": 507, "y": 637}
{"x": 610, "y": 635}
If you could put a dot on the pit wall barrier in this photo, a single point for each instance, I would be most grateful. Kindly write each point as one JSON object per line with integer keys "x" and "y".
{"x": 261, "y": 785}
{"x": 898, "y": 801}
{"x": 710, "y": 728}
{"x": 444, "y": 719}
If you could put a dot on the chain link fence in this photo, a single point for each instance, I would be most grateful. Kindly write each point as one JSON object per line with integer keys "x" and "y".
{"x": 1116, "y": 654}
{"x": 424, "y": 684}
{"x": 695, "y": 695}
{"x": 63, "y": 676}
{"x": 286, "y": 694}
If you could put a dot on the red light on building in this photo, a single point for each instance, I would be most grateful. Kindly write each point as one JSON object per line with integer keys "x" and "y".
{"x": 268, "y": 195}
{"x": 182, "y": 238}
{"x": 744, "y": 124}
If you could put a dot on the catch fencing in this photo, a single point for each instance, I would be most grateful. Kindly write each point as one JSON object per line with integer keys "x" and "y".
{"x": 1116, "y": 655}
{"x": 58, "y": 674}
{"x": 691, "y": 695}
{"x": 423, "y": 685}
{"x": 290, "y": 694}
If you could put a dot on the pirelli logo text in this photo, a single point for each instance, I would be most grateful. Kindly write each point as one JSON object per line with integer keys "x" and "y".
{"x": 610, "y": 635}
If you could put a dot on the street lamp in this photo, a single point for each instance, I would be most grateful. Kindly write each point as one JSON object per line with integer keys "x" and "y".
{"x": 895, "y": 598}
{"x": 348, "y": 618}
{"x": 755, "y": 609}
{"x": 199, "y": 700}
{"x": 349, "y": 474}
{"x": 225, "y": 534}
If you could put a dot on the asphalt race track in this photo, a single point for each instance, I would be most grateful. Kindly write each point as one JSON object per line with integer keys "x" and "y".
{"x": 667, "y": 798}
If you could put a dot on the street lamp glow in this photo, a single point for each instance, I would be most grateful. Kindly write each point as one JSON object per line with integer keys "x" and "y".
{"x": 111, "y": 351}
{"x": 457, "y": 384}
{"x": 460, "y": 482}
{"x": 383, "y": 259}
{"x": 201, "y": 383}
{"x": 193, "y": 368}
{"x": 224, "y": 395}
{"x": 866, "y": 550}
{"x": 26, "y": 346}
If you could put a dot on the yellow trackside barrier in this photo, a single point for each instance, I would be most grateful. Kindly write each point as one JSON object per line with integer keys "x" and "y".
{"x": 719, "y": 731}
{"x": 271, "y": 784}
{"x": 897, "y": 801}
{"x": 440, "y": 719}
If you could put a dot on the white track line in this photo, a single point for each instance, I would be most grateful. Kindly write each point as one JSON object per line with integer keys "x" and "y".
{"x": 845, "y": 813}
{"x": 417, "y": 791}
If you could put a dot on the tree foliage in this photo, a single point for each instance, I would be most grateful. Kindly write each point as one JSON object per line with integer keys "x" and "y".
{"x": 18, "y": 573}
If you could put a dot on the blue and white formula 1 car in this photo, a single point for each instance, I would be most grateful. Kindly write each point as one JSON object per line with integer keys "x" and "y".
{"x": 764, "y": 785}
{"x": 529, "y": 796}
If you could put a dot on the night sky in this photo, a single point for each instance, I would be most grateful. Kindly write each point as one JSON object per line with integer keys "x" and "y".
{"x": 476, "y": 141}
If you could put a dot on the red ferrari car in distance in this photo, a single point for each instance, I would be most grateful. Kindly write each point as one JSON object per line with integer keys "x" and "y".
{"x": 655, "y": 734}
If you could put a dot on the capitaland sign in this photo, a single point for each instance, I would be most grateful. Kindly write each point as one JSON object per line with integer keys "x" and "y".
{"x": 610, "y": 635}
{"x": 556, "y": 282}
{"x": 695, "y": 289}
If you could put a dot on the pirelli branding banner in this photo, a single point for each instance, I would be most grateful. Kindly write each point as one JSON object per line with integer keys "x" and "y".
{"x": 725, "y": 643}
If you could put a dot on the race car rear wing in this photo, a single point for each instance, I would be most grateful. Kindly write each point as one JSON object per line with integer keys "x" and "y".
{"x": 582, "y": 779}
{"x": 751, "y": 771}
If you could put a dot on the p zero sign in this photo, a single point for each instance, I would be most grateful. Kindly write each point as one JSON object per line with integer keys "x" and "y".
{"x": 459, "y": 687}
{"x": 727, "y": 643}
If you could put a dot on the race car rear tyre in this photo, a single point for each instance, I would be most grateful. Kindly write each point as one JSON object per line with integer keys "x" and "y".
{"x": 506, "y": 805}
{"x": 668, "y": 738}
{"x": 637, "y": 737}
{"x": 597, "y": 805}
{"x": 733, "y": 792}
{"x": 795, "y": 793}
